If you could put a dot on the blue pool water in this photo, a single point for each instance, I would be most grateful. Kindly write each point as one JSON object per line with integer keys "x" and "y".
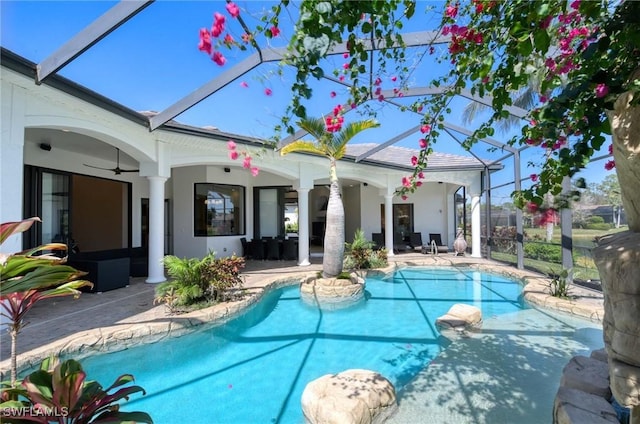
{"x": 254, "y": 368}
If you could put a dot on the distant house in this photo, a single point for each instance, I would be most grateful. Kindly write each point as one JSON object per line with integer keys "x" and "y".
{"x": 607, "y": 212}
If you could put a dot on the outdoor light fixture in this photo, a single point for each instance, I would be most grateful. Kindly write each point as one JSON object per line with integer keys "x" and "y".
{"x": 226, "y": 169}
{"x": 45, "y": 146}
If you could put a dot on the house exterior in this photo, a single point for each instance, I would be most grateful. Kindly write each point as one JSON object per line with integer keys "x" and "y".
{"x": 184, "y": 195}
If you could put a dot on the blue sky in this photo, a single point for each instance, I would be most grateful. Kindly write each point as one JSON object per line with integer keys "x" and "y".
{"x": 152, "y": 61}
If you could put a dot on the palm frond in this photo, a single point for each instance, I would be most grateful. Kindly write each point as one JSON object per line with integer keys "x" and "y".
{"x": 352, "y": 129}
{"x": 314, "y": 126}
{"x": 303, "y": 146}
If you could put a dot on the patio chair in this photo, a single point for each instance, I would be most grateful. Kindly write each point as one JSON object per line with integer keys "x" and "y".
{"x": 256, "y": 247}
{"x": 415, "y": 241}
{"x": 245, "y": 248}
{"x": 435, "y": 243}
{"x": 399, "y": 244}
{"x": 289, "y": 249}
{"x": 273, "y": 249}
{"x": 378, "y": 240}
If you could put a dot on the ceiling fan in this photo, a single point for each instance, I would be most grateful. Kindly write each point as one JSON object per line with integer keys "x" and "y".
{"x": 117, "y": 170}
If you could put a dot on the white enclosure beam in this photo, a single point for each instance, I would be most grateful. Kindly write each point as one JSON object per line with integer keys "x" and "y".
{"x": 204, "y": 91}
{"x": 490, "y": 141}
{"x": 94, "y": 32}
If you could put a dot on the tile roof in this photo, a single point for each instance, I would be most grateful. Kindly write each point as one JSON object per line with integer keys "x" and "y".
{"x": 401, "y": 157}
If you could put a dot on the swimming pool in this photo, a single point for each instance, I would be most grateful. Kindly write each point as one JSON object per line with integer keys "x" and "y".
{"x": 254, "y": 368}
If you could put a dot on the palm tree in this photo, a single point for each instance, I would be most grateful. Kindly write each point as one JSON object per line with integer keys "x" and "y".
{"x": 333, "y": 145}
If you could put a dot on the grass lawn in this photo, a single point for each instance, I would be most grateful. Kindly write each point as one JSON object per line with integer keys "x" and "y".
{"x": 584, "y": 268}
{"x": 581, "y": 237}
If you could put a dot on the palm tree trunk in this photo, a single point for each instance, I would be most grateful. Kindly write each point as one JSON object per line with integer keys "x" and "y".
{"x": 334, "y": 232}
{"x": 14, "y": 363}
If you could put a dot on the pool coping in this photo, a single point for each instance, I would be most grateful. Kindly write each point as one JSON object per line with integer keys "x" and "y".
{"x": 584, "y": 304}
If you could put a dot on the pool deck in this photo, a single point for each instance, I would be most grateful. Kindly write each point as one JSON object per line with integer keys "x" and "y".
{"x": 115, "y": 320}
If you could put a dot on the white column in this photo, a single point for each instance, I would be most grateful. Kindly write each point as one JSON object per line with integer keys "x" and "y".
{"x": 388, "y": 223}
{"x": 12, "y": 162}
{"x": 156, "y": 229}
{"x": 475, "y": 226}
{"x": 303, "y": 227}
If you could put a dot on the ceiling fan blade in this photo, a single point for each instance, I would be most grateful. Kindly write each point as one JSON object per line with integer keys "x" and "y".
{"x": 128, "y": 170}
{"x": 99, "y": 167}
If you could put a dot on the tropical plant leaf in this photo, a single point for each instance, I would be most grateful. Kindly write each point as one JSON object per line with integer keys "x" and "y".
{"x": 41, "y": 278}
{"x": 8, "y": 229}
{"x": 17, "y": 265}
{"x": 113, "y": 417}
{"x": 348, "y": 132}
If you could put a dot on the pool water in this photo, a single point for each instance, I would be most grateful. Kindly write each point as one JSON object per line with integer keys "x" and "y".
{"x": 254, "y": 368}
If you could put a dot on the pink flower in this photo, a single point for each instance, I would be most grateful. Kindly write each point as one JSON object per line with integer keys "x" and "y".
{"x": 218, "y": 58}
{"x": 332, "y": 94}
{"x": 575, "y": 5}
{"x": 532, "y": 207}
{"x": 217, "y": 30}
{"x": 218, "y": 24}
{"x": 610, "y": 165}
{"x": 219, "y": 19}
{"x": 353, "y": 105}
{"x": 394, "y": 78}
{"x": 255, "y": 171}
{"x": 228, "y": 40}
{"x": 610, "y": 149}
{"x": 244, "y": 84}
{"x": 381, "y": 98}
{"x": 451, "y": 11}
{"x": 534, "y": 177}
{"x": 233, "y": 9}
{"x": 485, "y": 80}
{"x": 406, "y": 182}
{"x": 275, "y": 31}
{"x": 205, "y": 41}
{"x": 246, "y": 38}
{"x": 268, "y": 91}
{"x": 345, "y": 66}
{"x": 421, "y": 175}
{"x": 403, "y": 197}
{"x": 231, "y": 145}
{"x": 378, "y": 81}
{"x": 246, "y": 163}
{"x": 233, "y": 155}
{"x": 419, "y": 184}
{"x": 601, "y": 90}
{"x": 423, "y": 143}
{"x": 341, "y": 78}
{"x": 345, "y": 55}
{"x": 414, "y": 160}
{"x": 420, "y": 108}
{"x": 425, "y": 129}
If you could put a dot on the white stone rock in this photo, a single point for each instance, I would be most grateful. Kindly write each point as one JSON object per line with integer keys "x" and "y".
{"x": 588, "y": 375}
{"x": 573, "y": 406}
{"x": 350, "y": 397}
{"x": 460, "y": 315}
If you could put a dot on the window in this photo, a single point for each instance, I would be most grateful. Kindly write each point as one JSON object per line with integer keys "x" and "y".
{"x": 218, "y": 210}
{"x": 402, "y": 218}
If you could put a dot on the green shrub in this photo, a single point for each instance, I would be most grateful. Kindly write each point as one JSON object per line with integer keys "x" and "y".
{"x": 595, "y": 219}
{"x": 362, "y": 255}
{"x": 198, "y": 281}
{"x": 600, "y": 227}
{"x": 543, "y": 252}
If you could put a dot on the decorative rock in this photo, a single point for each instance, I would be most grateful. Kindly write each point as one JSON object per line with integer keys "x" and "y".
{"x": 332, "y": 293}
{"x": 460, "y": 315}
{"x": 576, "y": 407}
{"x": 625, "y": 379}
{"x": 600, "y": 355}
{"x": 352, "y": 396}
{"x": 588, "y": 375}
{"x": 617, "y": 257}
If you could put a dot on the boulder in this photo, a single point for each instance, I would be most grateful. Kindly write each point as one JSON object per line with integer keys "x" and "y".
{"x": 588, "y": 375}
{"x": 573, "y": 406}
{"x": 617, "y": 257}
{"x": 600, "y": 355}
{"x": 460, "y": 315}
{"x": 350, "y": 397}
{"x": 332, "y": 293}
